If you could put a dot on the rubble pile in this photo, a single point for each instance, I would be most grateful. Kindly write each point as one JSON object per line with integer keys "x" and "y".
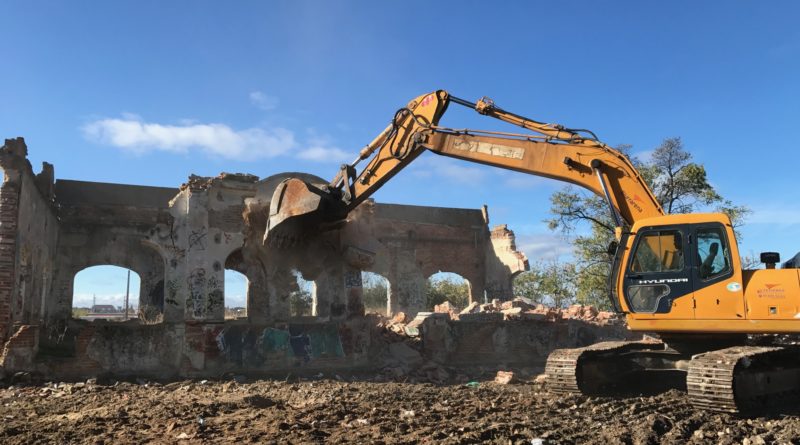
{"x": 436, "y": 347}
{"x": 403, "y": 358}
{"x": 520, "y": 309}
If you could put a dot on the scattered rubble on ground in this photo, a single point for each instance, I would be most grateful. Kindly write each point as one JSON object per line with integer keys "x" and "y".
{"x": 355, "y": 409}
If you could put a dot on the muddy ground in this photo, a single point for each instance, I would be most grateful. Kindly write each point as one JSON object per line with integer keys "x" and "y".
{"x": 339, "y": 411}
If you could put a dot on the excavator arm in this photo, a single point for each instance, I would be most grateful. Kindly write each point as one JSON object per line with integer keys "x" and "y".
{"x": 552, "y": 151}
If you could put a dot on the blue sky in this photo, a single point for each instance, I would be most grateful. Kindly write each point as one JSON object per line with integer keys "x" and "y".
{"x": 148, "y": 92}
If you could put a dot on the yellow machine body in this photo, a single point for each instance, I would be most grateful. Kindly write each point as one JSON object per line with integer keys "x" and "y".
{"x": 724, "y": 299}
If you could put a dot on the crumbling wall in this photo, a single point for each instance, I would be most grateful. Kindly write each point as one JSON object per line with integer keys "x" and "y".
{"x": 108, "y": 224}
{"x": 180, "y": 241}
{"x": 207, "y": 228}
{"x": 28, "y": 236}
{"x": 503, "y": 263}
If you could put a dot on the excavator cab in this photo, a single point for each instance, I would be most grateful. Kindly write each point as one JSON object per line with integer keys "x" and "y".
{"x": 677, "y": 268}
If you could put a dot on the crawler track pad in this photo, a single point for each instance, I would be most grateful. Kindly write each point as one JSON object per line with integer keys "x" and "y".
{"x": 299, "y": 210}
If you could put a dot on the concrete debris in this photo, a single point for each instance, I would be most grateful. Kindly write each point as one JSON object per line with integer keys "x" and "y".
{"x": 504, "y": 377}
{"x": 488, "y": 307}
{"x": 407, "y": 413}
{"x": 399, "y": 317}
{"x": 519, "y": 309}
{"x": 517, "y": 303}
{"x": 447, "y": 308}
{"x": 471, "y": 308}
{"x": 484, "y": 317}
{"x": 412, "y": 328}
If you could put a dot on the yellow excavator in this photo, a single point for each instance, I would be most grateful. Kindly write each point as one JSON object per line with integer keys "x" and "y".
{"x": 677, "y": 276}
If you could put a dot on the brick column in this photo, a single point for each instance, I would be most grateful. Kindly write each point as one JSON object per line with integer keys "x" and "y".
{"x": 9, "y": 200}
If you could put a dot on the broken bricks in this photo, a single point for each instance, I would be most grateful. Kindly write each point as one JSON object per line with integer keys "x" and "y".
{"x": 504, "y": 377}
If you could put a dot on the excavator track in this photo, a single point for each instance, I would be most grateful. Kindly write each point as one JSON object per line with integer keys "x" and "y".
{"x": 744, "y": 379}
{"x": 570, "y": 371}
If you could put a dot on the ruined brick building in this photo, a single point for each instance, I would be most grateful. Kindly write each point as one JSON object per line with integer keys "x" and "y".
{"x": 180, "y": 241}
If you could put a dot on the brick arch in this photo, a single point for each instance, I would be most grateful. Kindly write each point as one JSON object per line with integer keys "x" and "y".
{"x": 103, "y": 247}
{"x": 470, "y": 286}
{"x": 138, "y": 276}
{"x": 385, "y": 277}
{"x": 474, "y": 279}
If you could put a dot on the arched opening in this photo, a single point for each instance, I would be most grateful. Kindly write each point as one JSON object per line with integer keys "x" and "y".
{"x": 235, "y": 295}
{"x": 375, "y": 293}
{"x": 101, "y": 292}
{"x": 301, "y": 299}
{"x": 447, "y": 286}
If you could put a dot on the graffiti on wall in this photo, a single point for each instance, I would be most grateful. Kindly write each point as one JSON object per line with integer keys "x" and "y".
{"x": 197, "y": 239}
{"x": 247, "y": 346}
{"x": 197, "y": 288}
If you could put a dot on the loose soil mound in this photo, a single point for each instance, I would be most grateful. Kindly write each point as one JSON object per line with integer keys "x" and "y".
{"x": 331, "y": 411}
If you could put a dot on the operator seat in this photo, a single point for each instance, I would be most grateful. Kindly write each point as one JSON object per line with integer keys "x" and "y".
{"x": 708, "y": 264}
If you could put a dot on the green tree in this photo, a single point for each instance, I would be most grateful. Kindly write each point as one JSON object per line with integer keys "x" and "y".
{"x": 300, "y": 302}
{"x": 528, "y": 285}
{"x": 680, "y": 186}
{"x": 437, "y": 291}
{"x": 375, "y": 292}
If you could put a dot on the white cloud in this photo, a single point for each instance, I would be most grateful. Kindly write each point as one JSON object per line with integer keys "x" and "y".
{"x": 133, "y": 134}
{"x": 263, "y": 101}
{"x": 323, "y": 154}
{"x": 84, "y": 299}
{"x": 320, "y": 149}
{"x": 544, "y": 246}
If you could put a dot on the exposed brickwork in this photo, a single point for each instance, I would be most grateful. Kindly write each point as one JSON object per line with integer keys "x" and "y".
{"x": 82, "y": 365}
{"x": 9, "y": 204}
{"x": 25, "y": 337}
{"x": 21, "y": 348}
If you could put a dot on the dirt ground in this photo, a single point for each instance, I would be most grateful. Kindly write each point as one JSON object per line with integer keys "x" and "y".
{"x": 339, "y": 411}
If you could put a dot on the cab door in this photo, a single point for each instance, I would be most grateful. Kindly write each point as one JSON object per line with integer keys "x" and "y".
{"x": 658, "y": 276}
{"x": 717, "y": 287}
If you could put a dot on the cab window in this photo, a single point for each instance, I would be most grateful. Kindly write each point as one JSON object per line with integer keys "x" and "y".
{"x": 712, "y": 253}
{"x": 660, "y": 251}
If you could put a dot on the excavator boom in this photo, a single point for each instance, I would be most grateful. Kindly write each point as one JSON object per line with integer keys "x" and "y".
{"x": 552, "y": 151}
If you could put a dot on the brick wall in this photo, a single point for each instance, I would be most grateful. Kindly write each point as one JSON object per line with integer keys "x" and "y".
{"x": 19, "y": 351}
{"x": 9, "y": 203}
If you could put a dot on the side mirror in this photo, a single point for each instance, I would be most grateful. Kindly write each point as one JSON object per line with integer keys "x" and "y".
{"x": 611, "y": 250}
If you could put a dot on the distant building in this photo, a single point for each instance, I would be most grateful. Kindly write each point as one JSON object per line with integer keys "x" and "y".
{"x": 108, "y": 312}
{"x": 99, "y": 309}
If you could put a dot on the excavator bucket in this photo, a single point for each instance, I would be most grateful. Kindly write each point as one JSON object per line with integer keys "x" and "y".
{"x": 299, "y": 210}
